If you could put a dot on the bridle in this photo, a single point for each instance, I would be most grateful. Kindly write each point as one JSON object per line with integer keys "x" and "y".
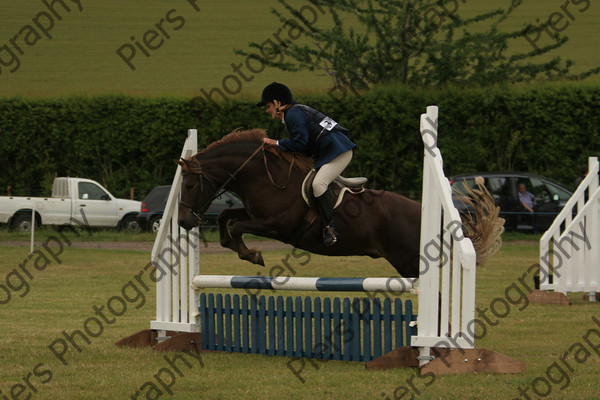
{"x": 201, "y": 177}
{"x": 195, "y": 211}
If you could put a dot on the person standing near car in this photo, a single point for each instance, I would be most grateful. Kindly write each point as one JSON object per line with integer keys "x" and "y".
{"x": 317, "y": 136}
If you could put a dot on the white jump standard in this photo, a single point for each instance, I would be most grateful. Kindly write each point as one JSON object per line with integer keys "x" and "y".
{"x": 569, "y": 250}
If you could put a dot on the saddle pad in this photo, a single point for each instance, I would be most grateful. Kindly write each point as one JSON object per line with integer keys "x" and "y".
{"x": 339, "y": 187}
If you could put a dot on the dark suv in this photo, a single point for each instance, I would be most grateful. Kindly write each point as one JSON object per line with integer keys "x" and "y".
{"x": 550, "y": 197}
{"x": 154, "y": 204}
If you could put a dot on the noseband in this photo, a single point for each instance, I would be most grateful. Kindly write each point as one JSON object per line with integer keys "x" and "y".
{"x": 195, "y": 211}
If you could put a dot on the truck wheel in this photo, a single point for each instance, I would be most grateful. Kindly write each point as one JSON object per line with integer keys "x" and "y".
{"x": 22, "y": 222}
{"x": 129, "y": 224}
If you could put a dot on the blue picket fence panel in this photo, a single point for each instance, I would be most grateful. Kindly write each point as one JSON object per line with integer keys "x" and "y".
{"x": 358, "y": 329}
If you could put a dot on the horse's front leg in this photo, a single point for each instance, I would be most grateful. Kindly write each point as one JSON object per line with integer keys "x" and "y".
{"x": 258, "y": 227}
{"x": 231, "y": 238}
{"x": 223, "y": 219}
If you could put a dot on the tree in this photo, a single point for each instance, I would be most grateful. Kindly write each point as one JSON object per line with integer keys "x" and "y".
{"x": 417, "y": 42}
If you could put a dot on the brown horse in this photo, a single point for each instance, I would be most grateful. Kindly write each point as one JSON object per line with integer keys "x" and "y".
{"x": 373, "y": 223}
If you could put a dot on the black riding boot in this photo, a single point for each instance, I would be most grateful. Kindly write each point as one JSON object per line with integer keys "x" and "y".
{"x": 325, "y": 204}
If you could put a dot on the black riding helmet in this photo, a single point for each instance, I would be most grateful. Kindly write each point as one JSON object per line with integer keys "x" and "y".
{"x": 276, "y": 91}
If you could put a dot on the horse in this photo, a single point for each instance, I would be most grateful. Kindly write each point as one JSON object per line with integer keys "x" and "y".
{"x": 374, "y": 223}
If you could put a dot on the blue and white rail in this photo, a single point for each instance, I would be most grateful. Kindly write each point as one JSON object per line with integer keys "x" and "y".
{"x": 392, "y": 284}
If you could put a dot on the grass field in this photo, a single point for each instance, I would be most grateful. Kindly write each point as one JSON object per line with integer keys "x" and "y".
{"x": 62, "y": 297}
{"x": 77, "y": 53}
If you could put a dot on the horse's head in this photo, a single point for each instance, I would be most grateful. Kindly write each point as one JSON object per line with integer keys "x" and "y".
{"x": 232, "y": 163}
{"x": 197, "y": 192}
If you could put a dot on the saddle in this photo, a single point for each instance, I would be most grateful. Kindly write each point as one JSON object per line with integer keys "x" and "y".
{"x": 339, "y": 187}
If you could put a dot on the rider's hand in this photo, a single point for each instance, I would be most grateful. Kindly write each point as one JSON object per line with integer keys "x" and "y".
{"x": 269, "y": 141}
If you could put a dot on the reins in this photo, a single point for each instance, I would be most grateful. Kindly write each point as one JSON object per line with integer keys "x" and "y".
{"x": 289, "y": 172}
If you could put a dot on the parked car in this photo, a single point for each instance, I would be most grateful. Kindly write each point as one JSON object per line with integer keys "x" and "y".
{"x": 153, "y": 207}
{"x": 550, "y": 197}
{"x": 72, "y": 199}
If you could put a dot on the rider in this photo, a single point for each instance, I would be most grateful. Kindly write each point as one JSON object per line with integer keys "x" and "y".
{"x": 315, "y": 135}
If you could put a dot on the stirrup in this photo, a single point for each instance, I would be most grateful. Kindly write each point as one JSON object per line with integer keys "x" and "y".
{"x": 330, "y": 236}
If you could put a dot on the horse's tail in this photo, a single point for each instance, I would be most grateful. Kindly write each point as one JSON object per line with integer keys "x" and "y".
{"x": 481, "y": 221}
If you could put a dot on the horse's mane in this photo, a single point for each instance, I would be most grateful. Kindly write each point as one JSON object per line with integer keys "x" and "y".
{"x": 301, "y": 162}
{"x": 237, "y": 136}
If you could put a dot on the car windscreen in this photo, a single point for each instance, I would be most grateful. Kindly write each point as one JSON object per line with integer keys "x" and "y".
{"x": 497, "y": 185}
{"x": 157, "y": 198}
{"x": 544, "y": 189}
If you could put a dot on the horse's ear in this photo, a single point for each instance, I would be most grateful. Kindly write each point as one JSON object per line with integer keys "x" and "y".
{"x": 180, "y": 162}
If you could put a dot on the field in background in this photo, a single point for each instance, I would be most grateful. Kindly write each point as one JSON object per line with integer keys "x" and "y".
{"x": 81, "y": 58}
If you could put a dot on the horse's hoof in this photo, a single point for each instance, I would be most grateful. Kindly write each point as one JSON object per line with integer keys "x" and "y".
{"x": 258, "y": 259}
{"x": 253, "y": 256}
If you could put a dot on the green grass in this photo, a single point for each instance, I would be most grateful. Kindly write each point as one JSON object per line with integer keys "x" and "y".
{"x": 109, "y": 235}
{"x": 81, "y": 57}
{"x": 62, "y": 295}
{"x": 101, "y": 235}
{"x": 90, "y": 235}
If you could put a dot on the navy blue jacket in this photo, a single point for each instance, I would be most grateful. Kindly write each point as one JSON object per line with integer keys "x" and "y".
{"x": 309, "y": 138}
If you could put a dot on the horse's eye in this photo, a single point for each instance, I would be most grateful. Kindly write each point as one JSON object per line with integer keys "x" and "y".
{"x": 189, "y": 187}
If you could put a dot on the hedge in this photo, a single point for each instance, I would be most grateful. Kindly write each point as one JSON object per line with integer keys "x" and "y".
{"x": 126, "y": 141}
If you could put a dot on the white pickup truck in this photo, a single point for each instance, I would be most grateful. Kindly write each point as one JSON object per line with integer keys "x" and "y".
{"x": 72, "y": 200}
